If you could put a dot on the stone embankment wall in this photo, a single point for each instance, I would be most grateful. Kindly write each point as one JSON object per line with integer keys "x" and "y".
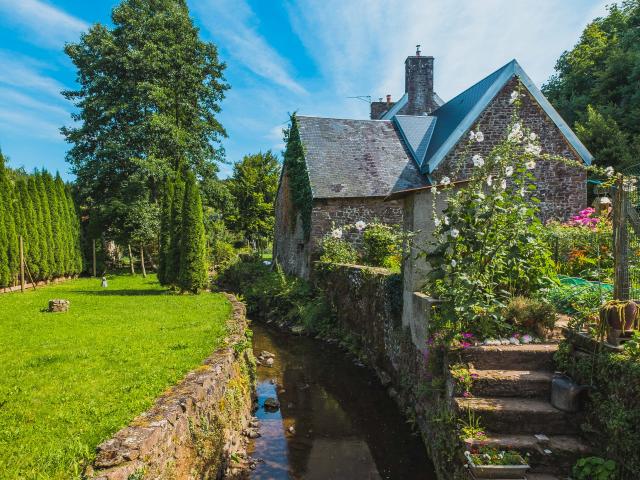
{"x": 193, "y": 429}
{"x": 29, "y": 286}
{"x": 367, "y": 303}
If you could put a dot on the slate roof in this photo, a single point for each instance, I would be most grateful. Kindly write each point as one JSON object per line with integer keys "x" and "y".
{"x": 356, "y": 158}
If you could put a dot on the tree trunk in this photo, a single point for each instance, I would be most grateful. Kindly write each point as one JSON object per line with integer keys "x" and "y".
{"x": 133, "y": 270}
{"x": 144, "y": 270}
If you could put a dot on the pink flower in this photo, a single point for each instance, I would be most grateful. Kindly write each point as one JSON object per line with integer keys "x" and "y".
{"x": 474, "y": 375}
{"x": 465, "y": 344}
{"x": 467, "y": 335}
{"x": 466, "y": 394}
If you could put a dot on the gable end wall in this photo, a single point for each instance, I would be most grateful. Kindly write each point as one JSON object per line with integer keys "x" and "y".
{"x": 562, "y": 189}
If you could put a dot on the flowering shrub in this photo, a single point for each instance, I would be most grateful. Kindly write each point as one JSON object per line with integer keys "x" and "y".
{"x": 488, "y": 243}
{"x": 381, "y": 245}
{"x": 336, "y": 250}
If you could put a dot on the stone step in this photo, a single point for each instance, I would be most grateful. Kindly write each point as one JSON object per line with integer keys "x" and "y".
{"x": 536, "y": 356}
{"x": 518, "y": 415}
{"x": 511, "y": 383}
{"x": 557, "y": 456}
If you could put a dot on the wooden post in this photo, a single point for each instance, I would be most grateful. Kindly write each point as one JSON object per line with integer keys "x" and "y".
{"x": 133, "y": 270}
{"x": 620, "y": 243}
{"x": 144, "y": 271}
{"x": 95, "y": 266}
{"x": 21, "y": 264}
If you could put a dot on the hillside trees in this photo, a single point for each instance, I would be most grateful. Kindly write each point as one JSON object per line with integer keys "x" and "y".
{"x": 40, "y": 209}
{"x": 148, "y": 99}
{"x": 595, "y": 86}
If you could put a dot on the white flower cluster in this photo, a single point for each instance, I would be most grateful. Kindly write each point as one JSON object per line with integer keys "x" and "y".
{"x": 336, "y": 233}
{"x": 532, "y": 149}
{"x": 445, "y": 181}
{"x": 477, "y": 136}
{"x": 477, "y": 160}
{"x": 360, "y": 225}
{"x": 609, "y": 171}
{"x": 514, "y": 96}
{"x": 515, "y": 134}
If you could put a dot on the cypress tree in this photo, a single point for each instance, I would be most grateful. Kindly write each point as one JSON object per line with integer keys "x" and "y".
{"x": 66, "y": 250}
{"x": 13, "y": 249}
{"x": 193, "y": 252}
{"x": 74, "y": 222}
{"x": 48, "y": 258}
{"x": 173, "y": 258}
{"x": 28, "y": 229}
{"x": 165, "y": 231}
{"x": 56, "y": 225}
{"x": 5, "y": 275}
{"x": 38, "y": 265}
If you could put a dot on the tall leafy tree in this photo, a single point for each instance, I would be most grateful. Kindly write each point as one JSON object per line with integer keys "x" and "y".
{"x": 595, "y": 86}
{"x": 254, "y": 185}
{"x": 193, "y": 249}
{"x": 149, "y": 94}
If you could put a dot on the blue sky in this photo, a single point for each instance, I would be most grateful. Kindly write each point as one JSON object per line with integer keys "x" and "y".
{"x": 307, "y": 56}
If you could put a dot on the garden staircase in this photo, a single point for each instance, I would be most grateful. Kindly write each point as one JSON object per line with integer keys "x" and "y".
{"x": 511, "y": 396}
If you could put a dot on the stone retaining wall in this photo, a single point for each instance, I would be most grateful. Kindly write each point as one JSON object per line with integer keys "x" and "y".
{"x": 193, "y": 429}
{"x": 367, "y": 303}
{"x": 41, "y": 283}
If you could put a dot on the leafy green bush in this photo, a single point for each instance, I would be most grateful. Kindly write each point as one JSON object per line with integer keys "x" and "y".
{"x": 222, "y": 254}
{"x": 337, "y": 250}
{"x": 530, "y": 314}
{"x": 381, "y": 245}
{"x": 594, "y": 468}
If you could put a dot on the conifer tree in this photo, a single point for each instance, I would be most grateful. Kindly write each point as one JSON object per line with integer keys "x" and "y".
{"x": 65, "y": 226}
{"x": 29, "y": 229}
{"x": 74, "y": 222}
{"x": 56, "y": 245}
{"x": 4, "y": 244}
{"x": 38, "y": 265}
{"x": 173, "y": 261}
{"x": 165, "y": 231}
{"x": 193, "y": 248}
{"x": 48, "y": 259}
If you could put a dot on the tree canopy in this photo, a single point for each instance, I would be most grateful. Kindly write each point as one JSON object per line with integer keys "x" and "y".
{"x": 595, "y": 86}
{"x": 149, "y": 94}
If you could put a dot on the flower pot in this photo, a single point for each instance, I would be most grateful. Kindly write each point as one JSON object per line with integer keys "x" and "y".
{"x": 623, "y": 318}
{"x": 515, "y": 472}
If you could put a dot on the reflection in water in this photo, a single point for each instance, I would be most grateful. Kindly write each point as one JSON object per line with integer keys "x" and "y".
{"x": 344, "y": 426}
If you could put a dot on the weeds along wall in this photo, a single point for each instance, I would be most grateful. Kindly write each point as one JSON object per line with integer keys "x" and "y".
{"x": 40, "y": 209}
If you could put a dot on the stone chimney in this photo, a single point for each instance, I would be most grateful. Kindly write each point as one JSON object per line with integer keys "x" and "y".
{"x": 418, "y": 84}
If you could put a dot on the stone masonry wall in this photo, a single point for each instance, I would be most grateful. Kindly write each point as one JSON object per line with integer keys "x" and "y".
{"x": 562, "y": 189}
{"x": 192, "y": 430}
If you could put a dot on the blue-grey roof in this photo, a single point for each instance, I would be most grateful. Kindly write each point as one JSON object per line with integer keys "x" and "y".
{"x": 356, "y": 158}
{"x": 400, "y": 104}
{"x": 457, "y": 116}
{"x": 416, "y": 131}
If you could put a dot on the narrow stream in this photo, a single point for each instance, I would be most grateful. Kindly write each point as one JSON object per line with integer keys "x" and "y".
{"x": 335, "y": 420}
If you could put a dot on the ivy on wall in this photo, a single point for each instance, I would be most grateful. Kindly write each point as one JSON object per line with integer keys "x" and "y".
{"x": 296, "y": 168}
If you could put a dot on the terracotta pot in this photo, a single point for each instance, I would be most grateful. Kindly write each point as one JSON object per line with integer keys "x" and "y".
{"x": 630, "y": 314}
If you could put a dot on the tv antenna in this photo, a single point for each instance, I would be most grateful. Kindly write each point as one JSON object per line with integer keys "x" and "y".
{"x": 364, "y": 98}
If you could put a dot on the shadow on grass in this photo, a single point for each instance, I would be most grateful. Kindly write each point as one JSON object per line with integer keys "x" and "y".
{"x": 123, "y": 293}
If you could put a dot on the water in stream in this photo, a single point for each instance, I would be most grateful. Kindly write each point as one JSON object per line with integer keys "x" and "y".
{"x": 345, "y": 426}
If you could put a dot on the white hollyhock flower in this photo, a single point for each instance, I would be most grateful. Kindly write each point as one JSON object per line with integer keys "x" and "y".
{"x": 477, "y": 160}
{"x": 533, "y": 136}
{"x": 533, "y": 149}
{"x": 531, "y": 164}
{"x": 508, "y": 171}
{"x": 445, "y": 181}
{"x": 454, "y": 263}
{"x": 436, "y": 221}
{"x": 609, "y": 171}
{"x": 454, "y": 233}
{"x": 472, "y": 135}
{"x": 516, "y": 132}
{"x": 446, "y": 220}
{"x": 337, "y": 233}
{"x": 503, "y": 184}
{"x": 360, "y": 225}
{"x": 514, "y": 96}
{"x": 479, "y": 137}
{"x": 489, "y": 180}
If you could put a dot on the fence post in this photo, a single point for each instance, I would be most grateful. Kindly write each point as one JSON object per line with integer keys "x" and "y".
{"x": 95, "y": 268}
{"x": 620, "y": 243}
{"x": 21, "y": 264}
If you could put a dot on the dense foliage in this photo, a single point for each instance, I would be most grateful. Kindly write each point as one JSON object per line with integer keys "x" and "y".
{"x": 253, "y": 185}
{"x": 595, "y": 87}
{"x": 183, "y": 249}
{"x": 39, "y": 208}
{"x": 488, "y": 243}
{"x": 149, "y": 94}
{"x": 295, "y": 168}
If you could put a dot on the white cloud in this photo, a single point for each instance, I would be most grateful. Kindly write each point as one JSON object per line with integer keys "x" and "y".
{"x": 25, "y": 122}
{"x": 45, "y": 24}
{"x": 23, "y": 72}
{"x": 232, "y": 22}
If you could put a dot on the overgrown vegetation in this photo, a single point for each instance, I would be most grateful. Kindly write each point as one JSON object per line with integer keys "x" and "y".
{"x": 71, "y": 380}
{"x": 39, "y": 208}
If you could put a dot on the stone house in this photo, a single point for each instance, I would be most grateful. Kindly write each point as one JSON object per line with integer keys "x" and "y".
{"x": 366, "y": 169}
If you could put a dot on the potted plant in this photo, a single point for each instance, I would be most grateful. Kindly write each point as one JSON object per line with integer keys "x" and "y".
{"x": 618, "y": 317}
{"x": 494, "y": 463}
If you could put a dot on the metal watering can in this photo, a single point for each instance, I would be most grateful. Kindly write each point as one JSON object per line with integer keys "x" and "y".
{"x": 565, "y": 393}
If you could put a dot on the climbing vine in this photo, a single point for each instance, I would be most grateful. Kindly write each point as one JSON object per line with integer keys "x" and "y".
{"x": 296, "y": 169}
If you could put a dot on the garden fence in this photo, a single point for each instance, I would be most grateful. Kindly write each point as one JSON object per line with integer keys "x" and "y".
{"x": 626, "y": 239}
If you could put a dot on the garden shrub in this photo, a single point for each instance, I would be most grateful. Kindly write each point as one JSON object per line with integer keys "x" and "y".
{"x": 381, "y": 245}
{"x": 530, "y": 314}
{"x": 336, "y": 250}
{"x": 222, "y": 254}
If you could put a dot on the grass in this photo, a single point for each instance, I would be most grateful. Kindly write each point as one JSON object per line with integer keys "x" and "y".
{"x": 70, "y": 380}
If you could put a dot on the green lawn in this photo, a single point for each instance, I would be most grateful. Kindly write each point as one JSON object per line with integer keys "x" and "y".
{"x": 70, "y": 380}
